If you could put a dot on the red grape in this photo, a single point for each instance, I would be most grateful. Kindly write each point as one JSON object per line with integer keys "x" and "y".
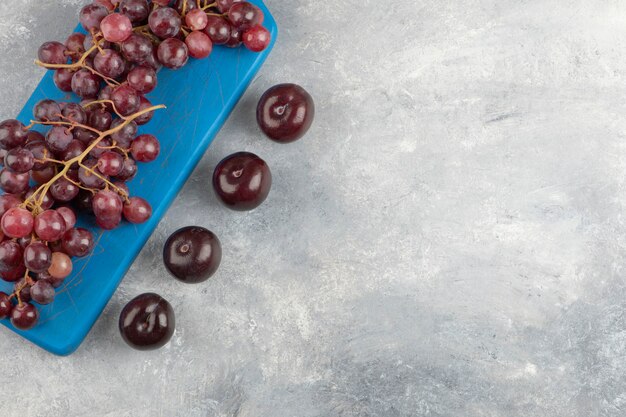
{"x": 75, "y": 113}
{"x": 88, "y": 176}
{"x": 89, "y": 43}
{"x": 85, "y": 84}
{"x": 102, "y": 146}
{"x": 61, "y": 265}
{"x": 49, "y": 225}
{"x": 17, "y": 222}
{"x": 244, "y": 15}
{"x": 63, "y": 79}
{"x": 37, "y": 257}
{"x": 165, "y": 22}
{"x": 75, "y": 45}
{"x": 122, "y": 186}
{"x": 173, "y": 53}
{"x": 45, "y": 276}
{"x": 100, "y": 119}
{"x": 136, "y": 48}
{"x": 109, "y": 63}
{"x": 199, "y": 44}
{"x": 23, "y": 289}
{"x": 25, "y": 241}
{"x": 19, "y": 160}
{"x": 47, "y": 111}
{"x": 42, "y": 292}
{"x": 13, "y": 182}
{"x": 41, "y": 176}
{"x": 109, "y": 223}
{"x": 11, "y": 255}
{"x": 196, "y": 19}
{"x": 78, "y": 242}
{"x": 91, "y": 16}
{"x": 116, "y": 27}
{"x": 12, "y": 134}
{"x": 105, "y": 94}
{"x": 145, "y": 148}
{"x": 136, "y": 10}
{"x": 126, "y": 99}
{"x": 84, "y": 135}
{"x": 142, "y": 78}
{"x": 107, "y": 204}
{"x": 146, "y": 117}
{"x": 73, "y": 150}
{"x": 110, "y": 5}
{"x": 24, "y": 316}
{"x": 137, "y": 210}
{"x": 129, "y": 171}
{"x": 13, "y": 275}
{"x": 235, "y": 38}
{"x": 185, "y": 6}
{"x": 218, "y": 30}
{"x": 125, "y": 135}
{"x": 34, "y": 136}
{"x": 68, "y": 216}
{"x": 59, "y": 138}
{"x": 46, "y": 202}
{"x": 5, "y": 305}
{"x": 225, "y": 5}
{"x": 8, "y": 201}
{"x": 83, "y": 201}
{"x": 152, "y": 60}
{"x": 52, "y": 53}
{"x": 257, "y": 38}
{"x": 110, "y": 163}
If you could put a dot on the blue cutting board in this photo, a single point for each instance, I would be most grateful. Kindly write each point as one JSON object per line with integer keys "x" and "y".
{"x": 199, "y": 99}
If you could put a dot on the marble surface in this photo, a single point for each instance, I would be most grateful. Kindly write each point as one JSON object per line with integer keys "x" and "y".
{"x": 449, "y": 240}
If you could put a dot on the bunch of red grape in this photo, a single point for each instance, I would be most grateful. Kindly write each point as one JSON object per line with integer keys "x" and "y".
{"x": 82, "y": 162}
{"x": 129, "y": 40}
{"x": 91, "y": 148}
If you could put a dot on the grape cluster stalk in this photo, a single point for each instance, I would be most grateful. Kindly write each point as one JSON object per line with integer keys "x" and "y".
{"x": 91, "y": 149}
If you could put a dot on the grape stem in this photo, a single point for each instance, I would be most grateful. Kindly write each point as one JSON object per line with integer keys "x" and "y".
{"x": 46, "y": 160}
{"x": 28, "y": 279}
{"x": 110, "y": 81}
{"x": 117, "y": 189}
{"x": 92, "y": 190}
{"x": 114, "y": 146}
{"x": 27, "y": 282}
{"x": 78, "y": 64}
{"x": 141, "y": 28}
{"x": 103, "y": 101}
{"x": 59, "y": 123}
{"x": 81, "y": 63}
{"x": 208, "y": 6}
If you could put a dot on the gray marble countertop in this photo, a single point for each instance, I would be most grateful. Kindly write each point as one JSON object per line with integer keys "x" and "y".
{"x": 449, "y": 240}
